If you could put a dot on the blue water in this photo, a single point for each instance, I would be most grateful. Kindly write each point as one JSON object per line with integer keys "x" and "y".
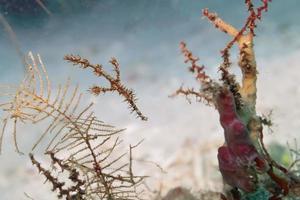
{"x": 148, "y": 31}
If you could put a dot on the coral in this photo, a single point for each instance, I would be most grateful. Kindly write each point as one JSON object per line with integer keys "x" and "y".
{"x": 78, "y": 143}
{"x": 244, "y": 161}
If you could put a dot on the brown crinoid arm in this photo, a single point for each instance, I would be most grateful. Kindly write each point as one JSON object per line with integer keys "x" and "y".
{"x": 208, "y": 86}
{"x": 73, "y": 190}
{"x": 115, "y": 83}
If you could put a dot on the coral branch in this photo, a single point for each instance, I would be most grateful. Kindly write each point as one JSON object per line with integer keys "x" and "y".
{"x": 247, "y": 60}
{"x": 219, "y": 23}
{"x": 244, "y": 40}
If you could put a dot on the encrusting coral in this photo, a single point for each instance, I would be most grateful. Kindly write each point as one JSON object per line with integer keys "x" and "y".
{"x": 244, "y": 162}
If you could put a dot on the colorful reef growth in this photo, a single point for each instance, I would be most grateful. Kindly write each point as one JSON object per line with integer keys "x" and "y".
{"x": 247, "y": 168}
{"x": 85, "y": 156}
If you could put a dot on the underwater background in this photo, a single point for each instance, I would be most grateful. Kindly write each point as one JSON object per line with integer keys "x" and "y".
{"x": 144, "y": 36}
